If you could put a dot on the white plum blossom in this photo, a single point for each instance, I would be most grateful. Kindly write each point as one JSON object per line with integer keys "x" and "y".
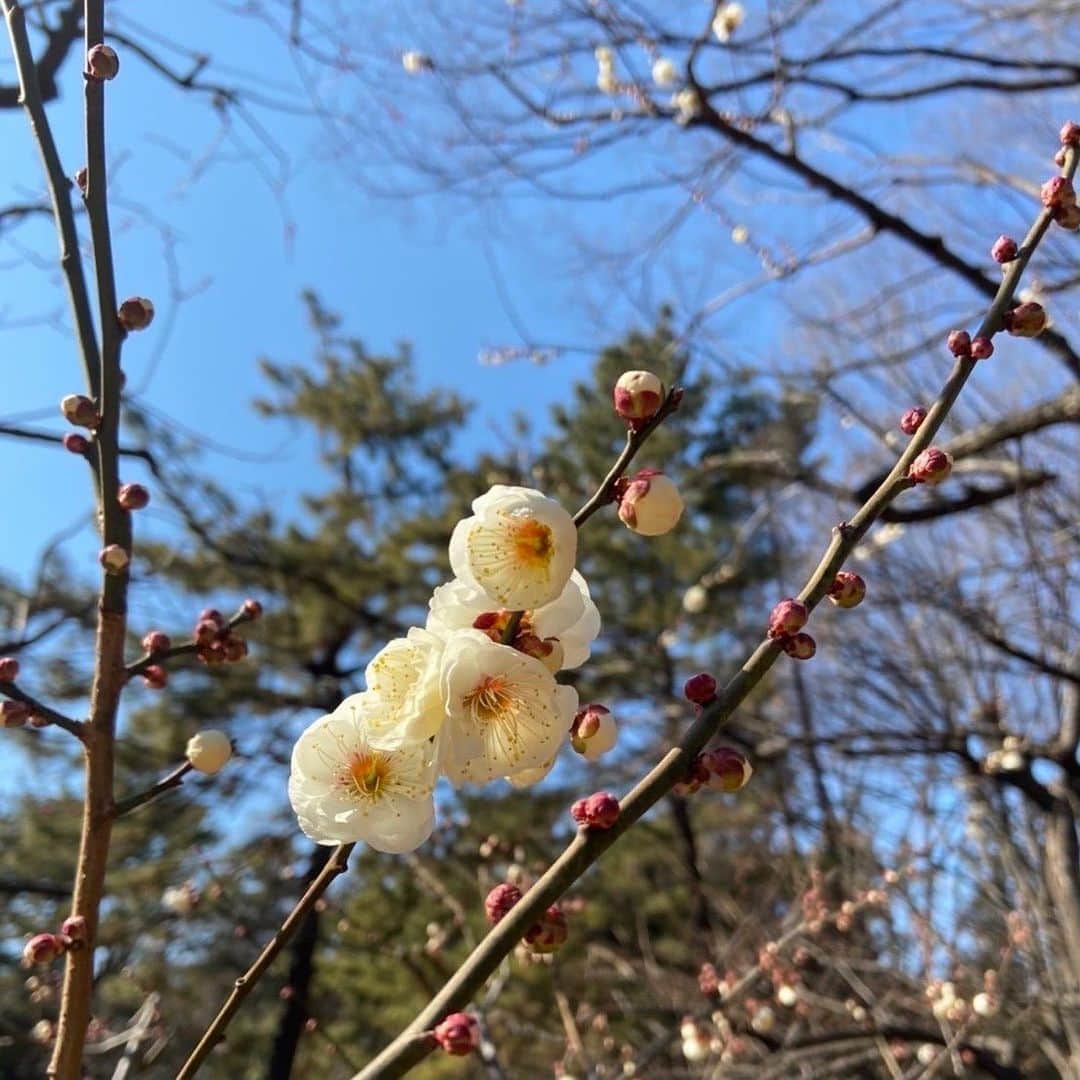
{"x": 527, "y": 777}
{"x": 180, "y": 899}
{"x": 519, "y": 547}
{"x": 345, "y": 788}
{"x": 728, "y": 19}
{"x": 572, "y": 619}
{"x": 688, "y": 104}
{"x": 505, "y": 712}
{"x": 402, "y": 702}
{"x": 664, "y": 72}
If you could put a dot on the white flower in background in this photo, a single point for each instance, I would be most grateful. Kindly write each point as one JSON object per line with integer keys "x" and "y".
{"x": 416, "y": 62}
{"x": 926, "y": 1054}
{"x": 519, "y": 547}
{"x": 740, "y": 234}
{"x": 695, "y": 600}
{"x": 402, "y": 703}
{"x": 208, "y": 751}
{"x": 763, "y": 1020}
{"x": 664, "y": 72}
{"x": 505, "y": 712}
{"x": 572, "y": 620}
{"x": 688, "y": 104}
{"x": 343, "y": 788}
{"x": 180, "y": 899}
{"x": 605, "y": 70}
{"x": 728, "y": 19}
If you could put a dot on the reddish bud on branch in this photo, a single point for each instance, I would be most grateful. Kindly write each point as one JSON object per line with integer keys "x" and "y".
{"x": 597, "y": 811}
{"x": 800, "y": 646}
{"x": 638, "y": 396}
{"x": 1056, "y": 192}
{"x": 252, "y": 609}
{"x": 458, "y": 1034}
{"x": 155, "y": 677}
{"x": 982, "y": 348}
{"x": 500, "y": 900}
{"x": 931, "y": 467}
{"x": 42, "y": 949}
{"x": 1025, "y": 320}
{"x": 700, "y": 688}
{"x": 14, "y": 714}
{"x": 102, "y": 62}
{"x": 135, "y": 313}
{"x": 1070, "y": 133}
{"x": 1005, "y": 249}
{"x": 80, "y": 411}
{"x": 847, "y": 590}
{"x": 74, "y": 930}
{"x": 74, "y": 443}
{"x": 729, "y": 769}
{"x": 133, "y": 496}
{"x": 156, "y": 641}
{"x": 912, "y": 420}
{"x": 114, "y": 559}
{"x": 9, "y": 669}
{"x": 788, "y": 617}
{"x": 959, "y": 342}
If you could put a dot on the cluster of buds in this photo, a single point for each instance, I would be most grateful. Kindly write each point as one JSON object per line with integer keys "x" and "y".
{"x": 637, "y": 397}
{"x": 1059, "y": 197}
{"x": 931, "y": 467}
{"x": 785, "y": 626}
{"x": 598, "y": 811}
{"x": 1008, "y": 758}
{"x": 43, "y": 949}
{"x": 135, "y": 313}
{"x": 549, "y": 651}
{"x": 593, "y": 732}
{"x": 649, "y": 503}
{"x": 962, "y": 345}
{"x": 945, "y": 1004}
{"x": 724, "y": 768}
{"x": 215, "y": 641}
{"x": 458, "y": 1034}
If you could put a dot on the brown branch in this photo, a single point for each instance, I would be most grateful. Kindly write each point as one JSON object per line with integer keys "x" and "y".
{"x": 57, "y": 46}
{"x": 587, "y": 847}
{"x": 173, "y": 780}
{"x": 336, "y": 865}
{"x": 76, "y": 727}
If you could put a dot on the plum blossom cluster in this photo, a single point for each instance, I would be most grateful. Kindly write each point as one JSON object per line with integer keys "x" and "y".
{"x": 472, "y": 695}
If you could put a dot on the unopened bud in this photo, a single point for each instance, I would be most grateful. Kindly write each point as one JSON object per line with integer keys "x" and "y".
{"x": 81, "y": 178}
{"x": 800, "y": 646}
{"x": 700, "y": 688}
{"x": 74, "y": 928}
{"x": 847, "y": 590}
{"x": 638, "y": 396}
{"x": 235, "y": 648}
{"x": 14, "y": 714}
{"x": 1025, "y": 320}
{"x": 114, "y": 559}
{"x": 788, "y": 617}
{"x": 1057, "y": 191}
{"x": 102, "y": 62}
{"x": 1068, "y": 217}
{"x": 252, "y": 609}
{"x": 208, "y": 750}
{"x": 133, "y": 496}
{"x": 80, "y": 411}
{"x": 42, "y": 949}
{"x": 651, "y": 504}
{"x": 74, "y": 443}
{"x": 959, "y": 342}
{"x": 135, "y": 313}
{"x": 729, "y": 769}
{"x": 550, "y": 933}
{"x": 458, "y": 1034}
{"x": 1005, "y": 249}
{"x": 214, "y": 616}
{"x": 500, "y": 900}
{"x": 912, "y": 420}
{"x": 982, "y": 348}
{"x": 1070, "y": 133}
{"x": 597, "y": 811}
{"x": 931, "y": 467}
{"x": 156, "y": 641}
{"x": 155, "y": 677}
{"x": 416, "y": 62}
{"x": 9, "y": 669}
{"x": 593, "y": 731}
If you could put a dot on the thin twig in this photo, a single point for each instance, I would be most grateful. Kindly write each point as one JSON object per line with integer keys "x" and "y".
{"x": 173, "y": 780}
{"x": 10, "y": 690}
{"x": 587, "y": 846}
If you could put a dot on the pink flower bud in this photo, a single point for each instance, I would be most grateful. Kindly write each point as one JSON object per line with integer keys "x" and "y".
{"x": 550, "y": 933}
{"x": 637, "y": 396}
{"x": 458, "y": 1034}
{"x": 788, "y": 617}
{"x": 80, "y": 411}
{"x": 42, "y": 949}
{"x": 206, "y": 631}
{"x": 9, "y": 669}
{"x": 982, "y": 348}
{"x": 156, "y": 642}
{"x": 597, "y": 811}
{"x": 959, "y": 342}
{"x": 800, "y": 646}
{"x": 500, "y": 900}
{"x": 74, "y": 443}
{"x": 214, "y": 616}
{"x": 114, "y": 559}
{"x": 1070, "y": 133}
{"x": 593, "y": 731}
{"x": 155, "y": 677}
{"x": 14, "y": 714}
{"x": 1057, "y": 191}
{"x": 728, "y": 768}
{"x": 102, "y": 62}
{"x": 1025, "y": 320}
{"x": 1005, "y": 249}
{"x": 74, "y": 928}
{"x": 912, "y": 420}
{"x": 651, "y": 504}
{"x": 135, "y": 313}
{"x": 81, "y": 178}
{"x": 932, "y": 466}
{"x": 847, "y": 589}
{"x": 252, "y": 609}
{"x": 1068, "y": 217}
{"x": 700, "y": 688}
{"x": 235, "y": 649}
{"x": 133, "y": 496}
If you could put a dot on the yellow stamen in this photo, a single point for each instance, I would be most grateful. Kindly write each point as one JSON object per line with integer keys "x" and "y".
{"x": 534, "y": 544}
{"x": 490, "y": 700}
{"x": 367, "y": 772}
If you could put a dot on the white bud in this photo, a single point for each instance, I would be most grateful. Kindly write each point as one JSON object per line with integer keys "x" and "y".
{"x": 652, "y": 504}
{"x": 984, "y": 1004}
{"x": 415, "y": 62}
{"x": 208, "y": 750}
{"x": 927, "y": 1054}
{"x": 787, "y": 996}
{"x": 664, "y": 72}
{"x": 763, "y": 1021}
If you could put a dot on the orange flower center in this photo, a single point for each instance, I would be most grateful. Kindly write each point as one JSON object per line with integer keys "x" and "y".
{"x": 367, "y": 773}
{"x": 534, "y": 544}
{"x": 490, "y": 700}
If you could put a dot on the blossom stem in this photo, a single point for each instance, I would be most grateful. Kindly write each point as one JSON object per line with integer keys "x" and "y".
{"x": 173, "y": 780}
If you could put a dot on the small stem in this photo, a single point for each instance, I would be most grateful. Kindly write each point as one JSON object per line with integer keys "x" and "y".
{"x": 336, "y": 865}
{"x": 10, "y": 690}
{"x": 133, "y": 802}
